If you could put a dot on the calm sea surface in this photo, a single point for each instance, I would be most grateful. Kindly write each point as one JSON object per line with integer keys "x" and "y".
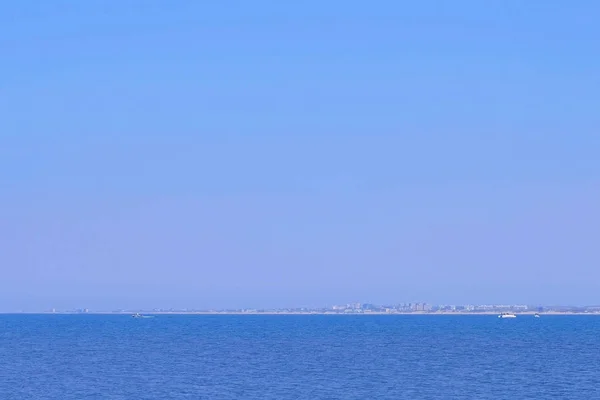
{"x": 299, "y": 357}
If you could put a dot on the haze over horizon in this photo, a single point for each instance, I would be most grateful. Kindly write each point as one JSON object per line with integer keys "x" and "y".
{"x": 274, "y": 154}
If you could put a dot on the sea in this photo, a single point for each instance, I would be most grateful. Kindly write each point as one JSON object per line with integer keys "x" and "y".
{"x": 262, "y": 357}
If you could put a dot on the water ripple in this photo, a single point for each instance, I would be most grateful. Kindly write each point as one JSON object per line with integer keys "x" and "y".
{"x": 299, "y": 357}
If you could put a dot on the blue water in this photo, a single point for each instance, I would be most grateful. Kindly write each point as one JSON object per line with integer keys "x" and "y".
{"x": 299, "y": 357}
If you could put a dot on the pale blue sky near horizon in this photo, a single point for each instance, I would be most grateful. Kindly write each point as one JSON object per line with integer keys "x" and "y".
{"x": 268, "y": 153}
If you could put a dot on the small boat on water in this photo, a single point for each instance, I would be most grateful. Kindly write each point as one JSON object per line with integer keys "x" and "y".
{"x": 138, "y": 315}
{"x": 536, "y": 315}
{"x": 507, "y": 315}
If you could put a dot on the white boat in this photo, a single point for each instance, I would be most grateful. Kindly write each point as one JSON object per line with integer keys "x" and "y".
{"x": 537, "y": 315}
{"x": 138, "y": 315}
{"x": 507, "y": 315}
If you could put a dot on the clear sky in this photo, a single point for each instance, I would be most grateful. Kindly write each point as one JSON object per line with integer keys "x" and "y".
{"x": 276, "y": 153}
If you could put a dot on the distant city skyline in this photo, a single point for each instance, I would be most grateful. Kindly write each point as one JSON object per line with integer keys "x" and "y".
{"x": 348, "y": 308}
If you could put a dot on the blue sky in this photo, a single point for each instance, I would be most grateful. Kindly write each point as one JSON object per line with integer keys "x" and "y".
{"x": 266, "y": 153}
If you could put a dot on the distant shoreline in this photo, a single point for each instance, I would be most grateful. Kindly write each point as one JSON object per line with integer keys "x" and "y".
{"x": 274, "y": 313}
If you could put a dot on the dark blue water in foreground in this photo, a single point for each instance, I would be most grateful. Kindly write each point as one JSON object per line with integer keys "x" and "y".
{"x": 299, "y": 357}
